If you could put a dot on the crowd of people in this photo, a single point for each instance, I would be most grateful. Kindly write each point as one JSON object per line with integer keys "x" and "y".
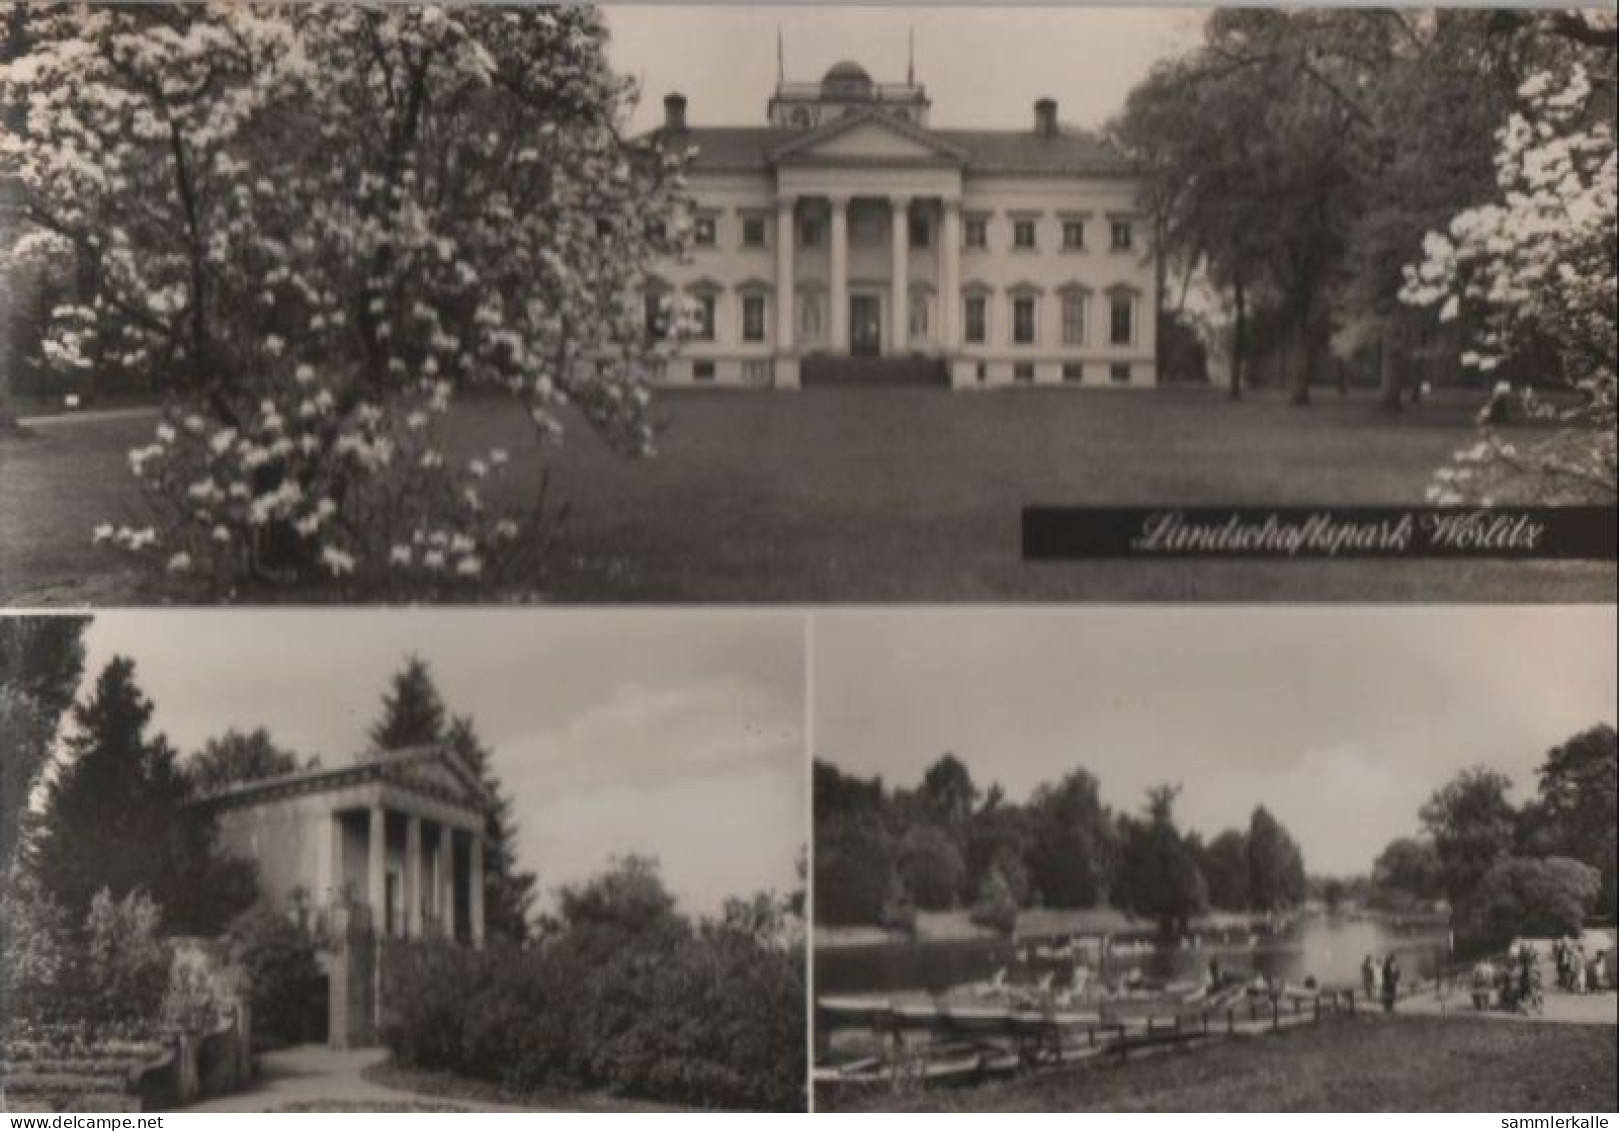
{"x": 1578, "y": 972}
{"x": 1512, "y": 984}
{"x": 1381, "y": 980}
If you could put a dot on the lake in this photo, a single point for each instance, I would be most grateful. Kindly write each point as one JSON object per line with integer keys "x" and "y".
{"x": 1329, "y": 947}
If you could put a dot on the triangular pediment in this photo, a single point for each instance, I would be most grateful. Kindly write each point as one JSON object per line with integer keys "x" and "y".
{"x": 869, "y": 136}
{"x": 436, "y": 770}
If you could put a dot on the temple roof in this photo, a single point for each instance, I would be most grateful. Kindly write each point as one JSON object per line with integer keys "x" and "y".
{"x": 436, "y": 771}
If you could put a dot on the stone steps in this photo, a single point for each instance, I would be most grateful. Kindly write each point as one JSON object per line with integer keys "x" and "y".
{"x": 855, "y": 372}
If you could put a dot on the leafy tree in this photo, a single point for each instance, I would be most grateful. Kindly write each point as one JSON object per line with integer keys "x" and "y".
{"x": 931, "y": 867}
{"x": 855, "y": 871}
{"x": 998, "y": 841}
{"x": 41, "y": 660}
{"x": 997, "y": 904}
{"x": 1534, "y": 268}
{"x": 1225, "y": 870}
{"x": 1275, "y": 865}
{"x": 1539, "y": 898}
{"x": 117, "y": 817}
{"x": 1072, "y": 844}
{"x": 412, "y": 712}
{"x": 836, "y": 793}
{"x": 948, "y": 793}
{"x": 242, "y": 756}
{"x": 1471, "y": 823}
{"x": 626, "y": 903}
{"x": 508, "y": 891}
{"x": 316, "y": 226}
{"x": 1158, "y": 875}
{"x": 1409, "y": 865}
{"x": 1573, "y": 815}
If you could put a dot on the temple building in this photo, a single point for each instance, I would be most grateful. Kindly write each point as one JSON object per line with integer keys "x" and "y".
{"x": 850, "y": 241}
{"x": 388, "y": 846}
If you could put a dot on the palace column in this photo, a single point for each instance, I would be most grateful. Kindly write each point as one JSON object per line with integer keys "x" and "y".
{"x": 376, "y": 887}
{"x": 840, "y": 274}
{"x": 950, "y": 275}
{"x": 475, "y": 889}
{"x": 899, "y": 208}
{"x": 413, "y": 876}
{"x": 784, "y": 274}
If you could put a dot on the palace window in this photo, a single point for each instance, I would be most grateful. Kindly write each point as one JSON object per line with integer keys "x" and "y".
{"x": 758, "y": 373}
{"x": 703, "y": 330}
{"x": 1023, "y": 235}
{"x": 809, "y": 232}
{"x": 977, "y": 320}
{"x": 1123, "y": 235}
{"x": 1119, "y": 373}
{"x": 702, "y": 370}
{"x": 976, "y": 232}
{"x": 1023, "y": 372}
{"x": 1023, "y": 328}
{"x": 1122, "y": 321}
{"x": 1073, "y": 235}
{"x": 1073, "y": 371}
{"x": 753, "y": 231}
{"x": 921, "y": 231}
{"x": 1073, "y": 318}
{"x": 705, "y": 231}
{"x": 753, "y": 318}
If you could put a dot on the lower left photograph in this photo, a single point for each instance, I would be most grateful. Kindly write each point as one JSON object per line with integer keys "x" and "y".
{"x": 396, "y": 860}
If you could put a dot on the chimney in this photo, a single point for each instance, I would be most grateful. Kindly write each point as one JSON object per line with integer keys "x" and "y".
{"x": 1045, "y": 117}
{"x": 674, "y": 112}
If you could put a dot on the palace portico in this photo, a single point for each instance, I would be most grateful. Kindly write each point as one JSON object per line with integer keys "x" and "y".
{"x": 850, "y": 238}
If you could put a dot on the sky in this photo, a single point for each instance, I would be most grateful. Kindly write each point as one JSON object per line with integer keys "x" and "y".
{"x": 675, "y": 734}
{"x": 1341, "y": 721}
{"x": 983, "y": 65}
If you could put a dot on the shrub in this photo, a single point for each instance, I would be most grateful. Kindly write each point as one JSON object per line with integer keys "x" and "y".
{"x": 283, "y": 974}
{"x": 126, "y": 962}
{"x": 711, "y": 1018}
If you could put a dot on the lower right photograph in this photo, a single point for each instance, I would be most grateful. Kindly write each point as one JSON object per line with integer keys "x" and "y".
{"x": 1215, "y": 858}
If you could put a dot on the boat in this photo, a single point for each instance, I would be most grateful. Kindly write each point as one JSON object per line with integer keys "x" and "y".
{"x": 853, "y": 1011}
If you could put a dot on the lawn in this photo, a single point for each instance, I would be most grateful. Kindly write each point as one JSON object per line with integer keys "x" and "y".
{"x": 1368, "y": 1063}
{"x": 877, "y": 495}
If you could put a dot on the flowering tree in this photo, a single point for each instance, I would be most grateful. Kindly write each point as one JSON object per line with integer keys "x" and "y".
{"x": 1534, "y": 271}
{"x": 316, "y": 227}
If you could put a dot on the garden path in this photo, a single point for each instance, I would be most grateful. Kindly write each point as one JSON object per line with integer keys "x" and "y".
{"x": 316, "y": 1078}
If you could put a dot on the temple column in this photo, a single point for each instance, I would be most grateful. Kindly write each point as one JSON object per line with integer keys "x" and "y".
{"x": 899, "y": 208}
{"x": 413, "y": 876}
{"x": 444, "y": 897}
{"x": 475, "y": 889}
{"x": 839, "y": 282}
{"x": 376, "y": 887}
{"x": 950, "y": 275}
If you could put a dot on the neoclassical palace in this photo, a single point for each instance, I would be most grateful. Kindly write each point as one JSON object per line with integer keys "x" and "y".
{"x": 850, "y": 241}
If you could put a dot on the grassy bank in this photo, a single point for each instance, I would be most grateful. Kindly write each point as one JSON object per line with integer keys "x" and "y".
{"x": 1370, "y": 1063}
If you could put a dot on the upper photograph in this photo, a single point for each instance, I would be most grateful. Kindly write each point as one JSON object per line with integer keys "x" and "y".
{"x": 488, "y": 304}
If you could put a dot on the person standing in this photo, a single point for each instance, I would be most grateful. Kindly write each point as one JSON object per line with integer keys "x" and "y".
{"x": 1391, "y": 983}
{"x": 1368, "y": 978}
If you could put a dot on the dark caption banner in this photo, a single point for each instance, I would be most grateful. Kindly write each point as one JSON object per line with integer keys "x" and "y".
{"x": 1529, "y": 533}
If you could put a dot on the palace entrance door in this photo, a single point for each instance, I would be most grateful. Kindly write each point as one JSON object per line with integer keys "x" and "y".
{"x": 865, "y": 326}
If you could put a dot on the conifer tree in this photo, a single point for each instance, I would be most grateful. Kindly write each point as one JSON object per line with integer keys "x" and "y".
{"x": 412, "y": 712}
{"x": 117, "y": 817}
